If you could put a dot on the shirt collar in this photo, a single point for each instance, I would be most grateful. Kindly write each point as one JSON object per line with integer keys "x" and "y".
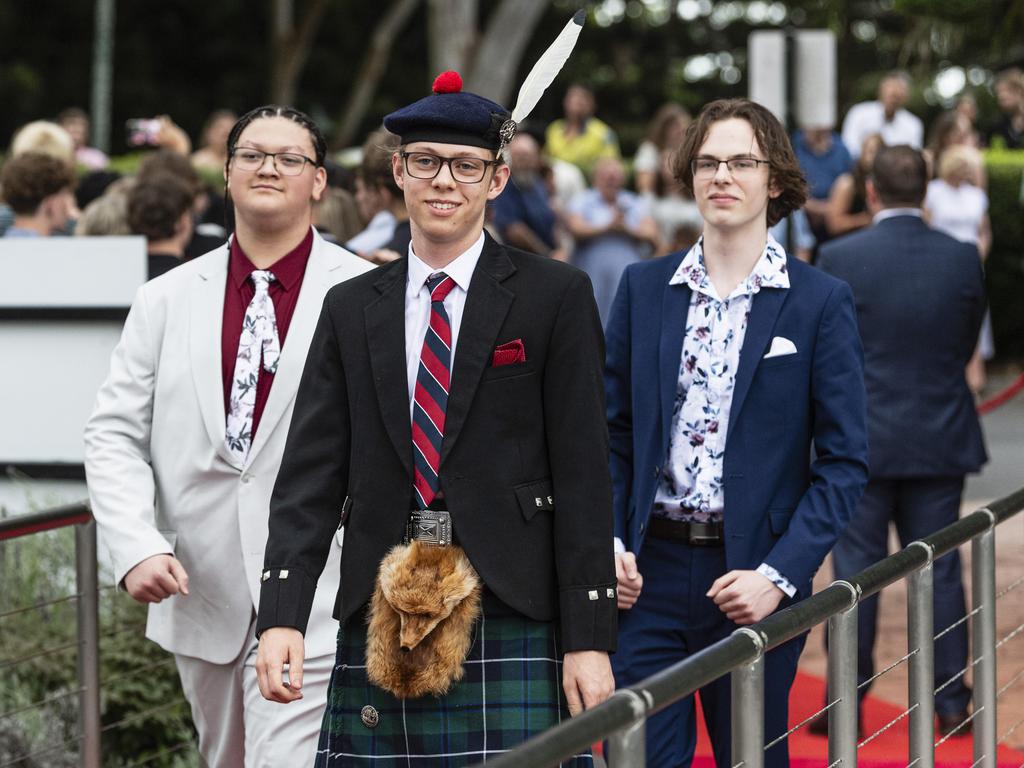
{"x": 770, "y": 271}
{"x": 288, "y": 270}
{"x": 888, "y": 213}
{"x": 460, "y": 270}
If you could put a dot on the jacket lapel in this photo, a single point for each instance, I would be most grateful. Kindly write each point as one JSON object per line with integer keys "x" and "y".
{"x": 206, "y": 319}
{"x": 487, "y": 304}
{"x": 675, "y": 306}
{"x": 315, "y": 283}
{"x": 764, "y": 311}
{"x": 385, "y": 335}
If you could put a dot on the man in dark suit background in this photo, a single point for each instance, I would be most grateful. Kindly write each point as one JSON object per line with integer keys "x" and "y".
{"x": 920, "y": 300}
{"x": 519, "y": 464}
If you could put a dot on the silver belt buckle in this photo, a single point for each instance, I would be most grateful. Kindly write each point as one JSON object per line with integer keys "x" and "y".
{"x": 430, "y": 526}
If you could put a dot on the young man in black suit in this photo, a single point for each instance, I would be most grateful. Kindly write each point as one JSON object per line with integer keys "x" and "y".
{"x": 464, "y": 380}
{"x": 920, "y": 300}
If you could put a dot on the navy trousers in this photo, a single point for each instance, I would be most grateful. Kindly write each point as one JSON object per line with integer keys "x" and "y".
{"x": 673, "y": 619}
{"x": 918, "y": 507}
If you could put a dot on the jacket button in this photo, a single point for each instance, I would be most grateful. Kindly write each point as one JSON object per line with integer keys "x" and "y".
{"x": 369, "y": 716}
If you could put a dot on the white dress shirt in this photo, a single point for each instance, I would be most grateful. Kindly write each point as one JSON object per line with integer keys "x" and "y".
{"x": 868, "y": 117}
{"x": 417, "y": 304}
{"x": 377, "y": 234}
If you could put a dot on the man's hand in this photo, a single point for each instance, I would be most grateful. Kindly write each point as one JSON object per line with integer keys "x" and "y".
{"x": 156, "y": 578}
{"x": 630, "y": 580}
{"x": 586, "y": 679}
{"x": 745, "y": 597}
{"x": 280, "y": 646}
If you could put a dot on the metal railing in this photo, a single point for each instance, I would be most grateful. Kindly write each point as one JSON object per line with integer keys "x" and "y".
{"x": 621, "y": 719}
{"x": 87, "y": 599}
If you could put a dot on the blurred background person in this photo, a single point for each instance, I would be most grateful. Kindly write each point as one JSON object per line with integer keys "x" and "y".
{"x": 823, "y": 157}
{"x": 209, "y": 230}
{"x": 381, "y": 203}
{"x": 847, "y": 209}
{"x": 886, "y": 116}
{"x": 967, "y": 107}
{"x": 336, "y": 215}
{"x": 107, "y": 215}
{"x": 212, "y": 155}
{"x": 579, "y": 137}
{"x": 955, "y": 205}
{"x": 1009, "y": 131}
{"x": 49, "y": 139}
{"x": 523, "y": 216}
{"x": 613, "y": 228}
{"x": 803, "y": 242}
{"x": 76, "y": 122}
{"x": 664, "y": 135}
{"x": 160, "y": 209}
{"x": 39, "y": 190}
{"x": 951, "y": 129}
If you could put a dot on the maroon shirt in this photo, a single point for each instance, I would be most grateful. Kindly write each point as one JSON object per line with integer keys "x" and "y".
{"x": 284, "y": 292}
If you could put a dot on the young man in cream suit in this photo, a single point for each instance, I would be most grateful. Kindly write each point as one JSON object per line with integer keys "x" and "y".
{"x": 185, "y": 442}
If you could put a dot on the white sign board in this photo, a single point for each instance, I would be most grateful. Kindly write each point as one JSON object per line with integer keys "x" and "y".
{"x": 814, "y": 76}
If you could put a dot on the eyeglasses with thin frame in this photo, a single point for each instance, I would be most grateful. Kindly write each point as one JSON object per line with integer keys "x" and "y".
{"x": 286, "y": 163}
{"x": 707, "y": 167}
{"x": 466, "y": 170}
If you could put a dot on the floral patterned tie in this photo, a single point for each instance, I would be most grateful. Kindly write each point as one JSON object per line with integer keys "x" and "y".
{"x": 258, "y": 342}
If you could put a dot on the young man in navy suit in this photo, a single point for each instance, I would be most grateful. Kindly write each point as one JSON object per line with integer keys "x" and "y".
{"x": 920, "y": 302}
{"x": 725, "y": 365}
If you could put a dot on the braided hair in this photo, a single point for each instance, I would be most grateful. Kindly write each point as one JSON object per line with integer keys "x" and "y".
{"x": 288, "y": 113}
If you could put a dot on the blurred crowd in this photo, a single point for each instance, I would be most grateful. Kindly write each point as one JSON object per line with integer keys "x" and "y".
{"x": 573, "y": 196}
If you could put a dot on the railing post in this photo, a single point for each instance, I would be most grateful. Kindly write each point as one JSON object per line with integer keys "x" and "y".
{"x": 88, "y": 644}
{"x": 921, "y": 644}
{"x": 983, "y": 597}
{"x": 626, "y": 748}
{"x": 747, "y": 683}
{"x": 842, "y": 684}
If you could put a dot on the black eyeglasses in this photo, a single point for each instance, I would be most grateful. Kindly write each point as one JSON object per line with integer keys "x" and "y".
{"x": 286, "y": 163}
{"x": 707, "y": 167}
{"x": 466, "y": 170}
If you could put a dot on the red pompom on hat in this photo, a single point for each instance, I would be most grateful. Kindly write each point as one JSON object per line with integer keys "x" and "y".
{"x": 448, "y": 82}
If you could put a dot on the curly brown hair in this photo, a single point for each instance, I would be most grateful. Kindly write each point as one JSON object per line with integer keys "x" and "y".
{"x": 785, "y": 173}
{"x": 30, "y": 178}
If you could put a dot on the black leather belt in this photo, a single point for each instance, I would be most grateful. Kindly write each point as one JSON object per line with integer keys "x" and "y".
{"x": 430, "y": 526}
{"x": 693, "y": 533}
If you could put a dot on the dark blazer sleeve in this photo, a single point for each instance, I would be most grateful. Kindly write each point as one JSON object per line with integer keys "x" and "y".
{"x": 305, "y": 508}
{"x": 577, "y": 438}
{"x": 620, "y": 409}
{"x": 839, "y": 471}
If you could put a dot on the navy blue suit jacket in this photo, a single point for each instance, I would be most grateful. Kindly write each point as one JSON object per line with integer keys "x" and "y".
{"x": 920, "y": 300}
{"x": 781, "y": 507}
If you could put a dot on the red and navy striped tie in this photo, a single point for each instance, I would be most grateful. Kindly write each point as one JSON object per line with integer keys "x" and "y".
{"x": 430, "y": 398}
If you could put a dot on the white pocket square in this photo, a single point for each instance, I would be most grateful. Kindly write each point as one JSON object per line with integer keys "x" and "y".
{"x": 781, "y": 346}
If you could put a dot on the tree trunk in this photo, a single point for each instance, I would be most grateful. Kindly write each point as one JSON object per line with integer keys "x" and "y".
{"x": 374, "y": 64}
{"x": 501, "y": 51}
{"x": 290, "y": 46}
{"x": 453, "y": 35}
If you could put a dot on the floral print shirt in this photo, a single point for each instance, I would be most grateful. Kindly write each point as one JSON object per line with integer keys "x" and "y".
{"x": 691, "y": 487}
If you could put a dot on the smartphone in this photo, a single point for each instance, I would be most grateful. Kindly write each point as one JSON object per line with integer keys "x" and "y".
{"x": 142, "y": 131}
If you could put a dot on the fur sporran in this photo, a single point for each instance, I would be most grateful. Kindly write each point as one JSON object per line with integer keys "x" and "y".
{"x": 424, "y": 605}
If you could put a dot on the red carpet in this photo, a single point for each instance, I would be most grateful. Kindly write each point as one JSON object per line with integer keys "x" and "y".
{"x": 886, "y": 751}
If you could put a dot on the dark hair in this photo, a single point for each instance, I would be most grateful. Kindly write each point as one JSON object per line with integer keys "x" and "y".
{"x": 900, "y": 176}
{"x": 288, "y": 113}
{"x": 29, "y": 178}
{"x": 784, "y": 172}
{"x": 72, "y": 113}
{"x": 658, "y": 128}
{"x": 156, "y": 204}
{"x": 375, "y": 169}
{"x": 166, "y": 161}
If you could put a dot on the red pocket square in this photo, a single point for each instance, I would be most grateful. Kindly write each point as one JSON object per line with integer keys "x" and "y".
{"x": 511, "y": 352}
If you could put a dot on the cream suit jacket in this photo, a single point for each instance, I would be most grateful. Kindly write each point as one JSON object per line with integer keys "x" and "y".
{"x": 160, "y": 477}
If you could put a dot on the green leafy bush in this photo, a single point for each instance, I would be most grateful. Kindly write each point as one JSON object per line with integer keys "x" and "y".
{"x": 1005, "y": 267}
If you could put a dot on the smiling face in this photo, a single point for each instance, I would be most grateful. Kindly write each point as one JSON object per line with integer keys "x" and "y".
{"x": 730, "y": 201}
{"x": 266, "y": 195}
{"x": 447, "y": 216}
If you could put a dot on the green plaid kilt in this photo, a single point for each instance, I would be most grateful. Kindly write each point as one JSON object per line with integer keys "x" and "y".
{"x": 511, "y": 690}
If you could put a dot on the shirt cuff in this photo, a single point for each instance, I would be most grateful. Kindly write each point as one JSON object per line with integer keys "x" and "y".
{"x": 619, "y": 546}
{"x": 777, "y": 579}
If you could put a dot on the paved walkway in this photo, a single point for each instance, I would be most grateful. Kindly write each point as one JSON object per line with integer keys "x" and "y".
{"x": 1004, "y": 433}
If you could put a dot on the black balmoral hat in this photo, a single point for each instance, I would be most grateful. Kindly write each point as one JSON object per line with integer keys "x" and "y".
{"x": 451, "y": 116}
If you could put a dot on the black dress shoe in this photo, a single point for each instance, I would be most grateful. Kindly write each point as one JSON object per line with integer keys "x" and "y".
{"x": 950, "y": 723}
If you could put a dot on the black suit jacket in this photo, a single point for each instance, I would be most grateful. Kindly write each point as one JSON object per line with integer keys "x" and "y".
{"x": 515, "y": 437}
{"x": 920, "y": 299}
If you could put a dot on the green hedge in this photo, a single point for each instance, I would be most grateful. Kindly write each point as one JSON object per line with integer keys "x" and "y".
{"x": 1005, "y": 268}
